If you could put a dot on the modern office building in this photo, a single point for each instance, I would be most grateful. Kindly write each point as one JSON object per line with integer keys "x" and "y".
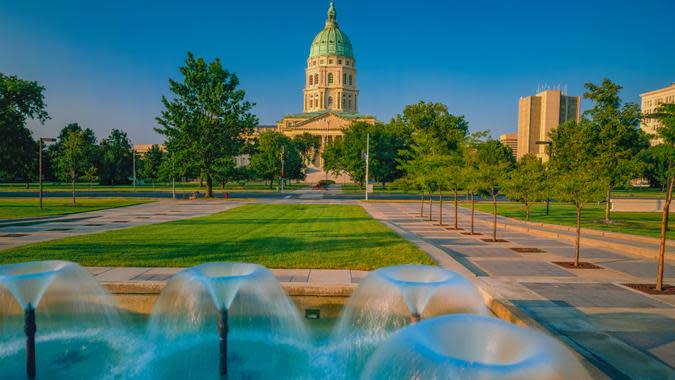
{"x": 650, "y": 102}
{"x": 538, "y": 115}
{"x": 510, "y": 140}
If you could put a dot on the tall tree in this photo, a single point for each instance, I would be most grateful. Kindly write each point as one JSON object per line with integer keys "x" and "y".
{"x": 665, "y": 114}
{"x": 152, "y": 161}
{"x": 72, "y": 158}
{"x": 20, "y": 100}
{"x": 272, "y": 148}
{"x": 307, "y": 145}
{"x": 615, "y": 136}
{"x": 574, "y": 169}
{"x": 207, "y": 120}
{"x": 527, "y": 182}
{"x": 494, "y": 161}
{"x": 116, "y": 158}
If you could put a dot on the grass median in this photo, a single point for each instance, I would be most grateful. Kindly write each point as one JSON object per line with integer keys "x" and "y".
{"x": 17, "y": 208}
{"x": 277, "y": 236}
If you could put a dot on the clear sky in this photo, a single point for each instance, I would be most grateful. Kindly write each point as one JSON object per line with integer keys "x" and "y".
{"x": 105, "y": 64}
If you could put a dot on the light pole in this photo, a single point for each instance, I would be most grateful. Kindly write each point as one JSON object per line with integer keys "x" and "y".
{"x": 133, "y": 165}
{"x": 367, "y": 161}
{"x": 41, "y": 141}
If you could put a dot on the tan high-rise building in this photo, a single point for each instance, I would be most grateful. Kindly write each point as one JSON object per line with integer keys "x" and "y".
{"x": 510, "y": 140}
{"x": 538, "y": 115}
{"x": 650, "y": 102}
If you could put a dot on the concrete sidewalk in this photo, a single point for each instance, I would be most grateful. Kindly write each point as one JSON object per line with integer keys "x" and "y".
{"x": 625, "y": 333}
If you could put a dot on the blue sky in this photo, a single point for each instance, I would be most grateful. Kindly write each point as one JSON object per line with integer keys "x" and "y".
{"x": 105, "y": 64}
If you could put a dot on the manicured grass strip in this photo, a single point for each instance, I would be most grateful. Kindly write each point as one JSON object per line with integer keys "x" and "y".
{"x": 13, "y": 208}
{"x": 277, "y": 236}
{"x": 592, "y": 216}
{"x": 180, "y": 187}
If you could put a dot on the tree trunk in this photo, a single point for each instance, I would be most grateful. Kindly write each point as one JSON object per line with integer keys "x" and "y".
{"x": 494, "y": 216}
{"x": 72, "y": 182}
{"x": 431, "y": 205}
{"x": 456, "y": 218}
{"x": 578, "y": 239}
{"x": 27, "y": 182}
{"x": 664, "y": 231}
{"x": 548, "y": 202}
{"x": 209, "y": 186}
{"x": 608, "y": 205}
{"x": 422, "y": 205}
{"x": 527, "y": 211}
{"x": 473, "y": 210}
{"x": 440, "y": 209}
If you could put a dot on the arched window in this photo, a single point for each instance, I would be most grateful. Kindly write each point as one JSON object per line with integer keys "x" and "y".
{"x": 350, "y": 79}
{"x": 316, "y": 79}
{"x": 330, "y": 78}
{"x": 311, "y": 80}
{"x": 330, "y": 101}
{"x": 344, "y": 78}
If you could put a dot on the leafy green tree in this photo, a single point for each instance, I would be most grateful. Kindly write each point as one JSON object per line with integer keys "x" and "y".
{"x": 493, "y": 162}
{"x": 615, "y": 136}
{"x": 266, "y": 161}
{"x": 116, "y": 162}
{"x": 453, "y": 179}
{"x": 73, "y": 158}
{"x": 20, "y": 100}
{"x": 527, "y": 182}
{"x": 207, "y": 120}
{"x": 657, "y": 160}
{"x": 152, "y": 161}
{"x": 665, "y": 114}
{"x": 307, "y": 145}
{"x": 332, "y": 158}
{"x": 90, "y": 175}
{"x": 575, "y": 170}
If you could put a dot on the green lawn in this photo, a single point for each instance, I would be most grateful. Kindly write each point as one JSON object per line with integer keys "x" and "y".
{"x": 13, "y": 208}
{"x": 277, "y": 236}
{"x": 592, "y": 216}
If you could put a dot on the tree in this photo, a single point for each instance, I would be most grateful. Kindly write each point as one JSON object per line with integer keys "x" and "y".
{"x": 20, "y": 100}
{"x": 454, "y": 180}
{"x": 207, "y": 120}
{"x": 665, "y": 114}
{"x": 272, "y": 148}
{"x": 116, "y": 164}
{"x": 574, "y": 170}
{"x": 494, "y": 160}
{"x": 72, "y": 158}
{"x": 307, "y": 145}
{"x": 152, "y": 160}
{"x": 332, "y": 158}
{"x": 527, "y": 183}
{"x": 657, "y": 160}
{"x": 90, "y": 149}
{"x": 615, "y": 136}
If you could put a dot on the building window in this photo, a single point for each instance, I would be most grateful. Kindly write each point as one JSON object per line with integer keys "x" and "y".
{"x": 311, "y": 79}
{"x": 344, "y": 78}
{"x": 330, "y": 78}
{"x": 330, "y": 101}
{"x": 322, "y": 62}
{"x": 316, "y": 79}
{"x": 350, "y": 79}
{"x": 339, "y": 61}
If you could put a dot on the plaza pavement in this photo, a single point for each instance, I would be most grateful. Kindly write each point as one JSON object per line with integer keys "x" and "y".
{"x": 627, "y": 334}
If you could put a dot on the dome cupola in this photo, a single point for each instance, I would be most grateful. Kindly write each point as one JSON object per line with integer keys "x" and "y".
{"x": 331, "y": 40}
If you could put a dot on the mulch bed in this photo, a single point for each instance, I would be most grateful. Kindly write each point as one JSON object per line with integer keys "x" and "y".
{"x": 526, "y": 250}
{"x": 60, "y": 229}
{"x": 13, "y": 235}
{"x": 495, "y": 241}
{"x": 582, "y": 265}
{"x": 454, "y": 229}
{"x": 651, "y": 288}
{"x": 471, "y": 234}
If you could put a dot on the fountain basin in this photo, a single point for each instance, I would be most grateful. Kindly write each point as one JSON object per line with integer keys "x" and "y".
{"x": 464, "y": 346}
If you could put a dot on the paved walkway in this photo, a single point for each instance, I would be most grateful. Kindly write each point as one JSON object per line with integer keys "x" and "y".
{"x": 626, "y": 333}
{"x": 17, "y": 233}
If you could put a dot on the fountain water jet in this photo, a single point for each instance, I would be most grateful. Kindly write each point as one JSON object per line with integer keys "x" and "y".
{"x": 239, "y": 297}
{"x": 64, "y": 286}
{"x": 392, "y": 297}
{"x": 463, "y": 346}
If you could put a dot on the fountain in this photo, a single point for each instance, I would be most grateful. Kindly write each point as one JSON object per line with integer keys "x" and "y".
{"x": 390, "y": 298}
{"x": 463, "y": 346}
{"x": 245, "y": 301}
{"x": 48, "y": 291}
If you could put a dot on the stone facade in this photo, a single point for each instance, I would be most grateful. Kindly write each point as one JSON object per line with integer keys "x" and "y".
{"x": 650, "y": 102}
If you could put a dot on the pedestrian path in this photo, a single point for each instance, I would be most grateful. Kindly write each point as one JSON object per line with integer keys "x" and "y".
{"x": 18, "y": 233}
{"x": 626, "y": 333}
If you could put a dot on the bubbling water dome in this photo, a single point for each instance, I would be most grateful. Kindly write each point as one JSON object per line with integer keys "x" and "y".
{"x": 464, "y": 346}
{"x": 242, "y": 302}
{"x": 68, "y": 305}
{"x": 392, "y": 297}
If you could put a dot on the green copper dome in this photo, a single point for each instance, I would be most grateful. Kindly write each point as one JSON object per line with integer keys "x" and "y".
{"x": 331, "y": 40}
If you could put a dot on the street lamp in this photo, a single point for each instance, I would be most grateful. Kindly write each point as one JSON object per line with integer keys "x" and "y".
{"x": 41, "y": 141}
